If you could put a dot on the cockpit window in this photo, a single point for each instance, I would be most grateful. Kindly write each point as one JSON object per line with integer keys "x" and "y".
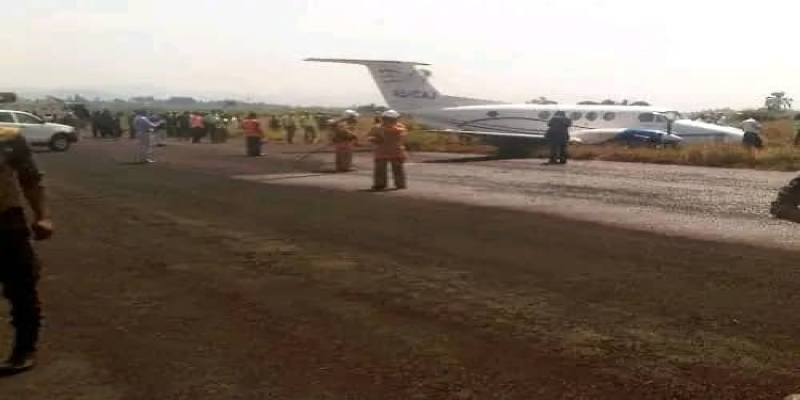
{"x": 661, "y": 119}
{"x": 674, "y": 114}
{"x": 646, "y": 117}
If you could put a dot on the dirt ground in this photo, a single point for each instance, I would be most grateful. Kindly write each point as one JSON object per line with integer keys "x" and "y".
{"x": 173, "y": 281}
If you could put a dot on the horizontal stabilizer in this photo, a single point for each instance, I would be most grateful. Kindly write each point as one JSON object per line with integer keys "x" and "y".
{"x": 362, "y": 62}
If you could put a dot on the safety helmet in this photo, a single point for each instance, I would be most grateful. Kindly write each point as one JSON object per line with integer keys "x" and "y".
{"x": 390, "y": 114}
{"x": 350, "y": 113}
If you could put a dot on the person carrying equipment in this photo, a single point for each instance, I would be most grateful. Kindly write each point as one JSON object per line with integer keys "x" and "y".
{"x": 344, "y": 137}
{"x": 388, "y": 139}
{"x": 19, "y": 266}
{"x": 253, "y": 135}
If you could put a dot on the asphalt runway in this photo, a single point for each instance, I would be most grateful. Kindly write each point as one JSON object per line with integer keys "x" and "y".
{"x": 210, "y": 275}
{"x": 708, "y": 203}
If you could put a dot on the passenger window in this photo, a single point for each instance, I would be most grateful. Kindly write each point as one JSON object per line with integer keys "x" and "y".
{"x": 575, "y": 115}
{"x": 6, "y": 117}
{"x": 544, "y": 115}
{"x": 609, "y": 116}
{"x": 591, "y": 116}
{"x": 646, "y": 117}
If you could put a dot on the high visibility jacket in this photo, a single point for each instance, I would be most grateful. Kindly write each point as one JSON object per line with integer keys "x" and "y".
{"x": 252, "y": 128}
{"x": 389, "y": 141}
{"x": 196, "y": 121}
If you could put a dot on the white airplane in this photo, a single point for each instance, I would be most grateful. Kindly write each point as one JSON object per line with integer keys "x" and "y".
{"x": 407, "y": 89}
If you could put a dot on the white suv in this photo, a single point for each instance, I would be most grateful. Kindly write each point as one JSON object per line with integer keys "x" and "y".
{"x": 38, "y": 132}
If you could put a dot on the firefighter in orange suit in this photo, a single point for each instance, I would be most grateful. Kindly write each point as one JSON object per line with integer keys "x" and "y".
{"x": 388, "y": 140}
{"x": 254, "y": 135}
{"x": 344, "y": 137}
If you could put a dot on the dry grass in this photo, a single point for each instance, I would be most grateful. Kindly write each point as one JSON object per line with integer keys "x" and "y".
{"x": 712, "y": 155}
{"x": 779, "y": 152}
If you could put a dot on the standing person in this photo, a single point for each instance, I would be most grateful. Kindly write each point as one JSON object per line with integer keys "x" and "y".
{"x": 290, "y": 123}
{"x": 309, "y": 132}
{"x": 118, "y": 117}
{"x": 160, "y": 132}
{"x": 106, "y": 124}
{"x": 752, "y": 134}
{"x": 344, "y": 137}
{"x": 558, "y": 135}
{"x": 144, "y": 130}
{"x": 210, "y": 123}
{"x": 19, "y": 265}
{"x": 253, "y": 135}
{"x": 388, "y": 139}
{"x": 131, "y": 129}
{"x": 274, "y": 123}
{"x": 196, "y": 126}
{"x": 96, "y": 124}
{"x": 184, "y": 129}
{"x": 322, "y": 122}
{"x": 172, "y": 124}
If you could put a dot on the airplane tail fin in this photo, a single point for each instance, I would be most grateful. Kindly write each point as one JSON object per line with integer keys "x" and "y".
{"x": 405, "y": 87}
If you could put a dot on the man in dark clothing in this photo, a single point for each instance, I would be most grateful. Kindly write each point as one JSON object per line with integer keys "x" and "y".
{"x": 106, "y": 124}
{"x": 172, "y": 125}
{"x": 184, "y": 130}
{"x": 131, "y": 129}
{"x": 19, "y": 266}
{"x": 96, "y": 124}
{"x": 558, "y": 136}
{"x": 118, "y": 117}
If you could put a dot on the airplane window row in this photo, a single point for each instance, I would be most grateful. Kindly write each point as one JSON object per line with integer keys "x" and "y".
{"x": 576, "y": 115}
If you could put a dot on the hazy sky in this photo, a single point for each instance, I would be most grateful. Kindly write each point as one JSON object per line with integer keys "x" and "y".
{"x": 679, "y": 53}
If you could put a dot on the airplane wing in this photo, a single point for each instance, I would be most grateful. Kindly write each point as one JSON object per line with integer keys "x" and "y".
{"x": 488, "y": 133}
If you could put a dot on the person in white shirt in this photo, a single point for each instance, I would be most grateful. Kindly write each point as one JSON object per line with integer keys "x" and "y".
{"x": 144, "y": 131}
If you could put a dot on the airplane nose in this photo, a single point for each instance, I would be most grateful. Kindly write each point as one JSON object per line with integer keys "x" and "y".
{"x": 672, "y": 139}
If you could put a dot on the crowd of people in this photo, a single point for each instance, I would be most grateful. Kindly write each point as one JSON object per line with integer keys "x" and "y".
{"x": 387, "y": 136}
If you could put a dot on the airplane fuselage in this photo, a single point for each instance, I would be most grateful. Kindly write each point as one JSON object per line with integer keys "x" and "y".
{"x": 408, "y": 90}
{"x": 532, "y": 119}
